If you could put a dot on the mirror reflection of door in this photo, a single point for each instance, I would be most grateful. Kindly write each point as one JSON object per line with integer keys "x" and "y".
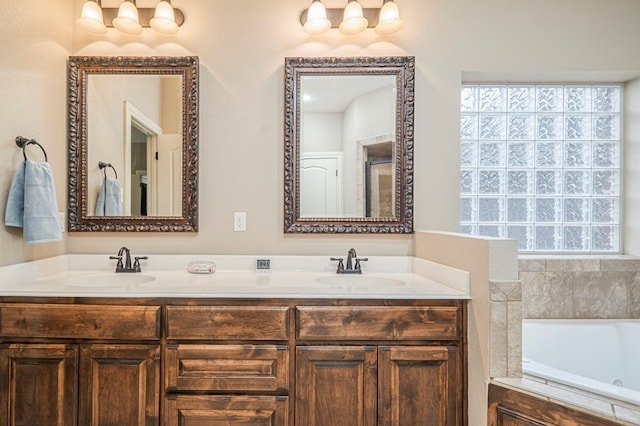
{"x": 379, "y": 193}
{"x": 135, "y": 123}
{"x": 353, "y": 115}
{"x": 139, "y": 167}
{"x": 320, "y": 185}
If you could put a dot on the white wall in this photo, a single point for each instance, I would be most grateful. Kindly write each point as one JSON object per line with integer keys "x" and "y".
{"x": 36, "y": 40}
{"x": 242, "y": 46}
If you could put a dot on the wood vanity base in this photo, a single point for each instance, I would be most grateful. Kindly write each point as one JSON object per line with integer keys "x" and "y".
{"x": 180, "y": 361}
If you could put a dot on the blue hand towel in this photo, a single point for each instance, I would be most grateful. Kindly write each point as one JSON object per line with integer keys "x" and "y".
{"x": 109, "y": 198}
{"x": 32, "y": 203}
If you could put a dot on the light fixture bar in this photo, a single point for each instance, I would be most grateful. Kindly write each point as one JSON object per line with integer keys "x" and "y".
{"x": 145, "y": 14}
{"x": 333, "y": 15}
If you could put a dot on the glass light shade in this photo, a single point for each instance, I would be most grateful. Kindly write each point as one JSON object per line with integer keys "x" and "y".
{"x": 164, "y": 20}
{"x": 353, "y": 21}
{"x": 91, "y": 18}
{"x": 389, "y": 21}
{"x": 127, "y": 20}
{"x": 317, "y": 21}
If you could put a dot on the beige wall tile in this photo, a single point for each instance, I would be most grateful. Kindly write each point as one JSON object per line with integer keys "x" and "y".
{"x": 514, "y": 339}
{"x": 531, "y": 265}
{"x": 545, "y": 295}
{"x": 573, "y": 265}
{"x": 634, "y": 296}
{"x": 632, "y": 265}
{"x": 498, "y": 344}
{"x": 599, "y": 294}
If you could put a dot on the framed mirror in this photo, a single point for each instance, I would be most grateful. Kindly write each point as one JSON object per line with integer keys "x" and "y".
{"x": 348, "y": 154}
{"x": 133, "y": 143}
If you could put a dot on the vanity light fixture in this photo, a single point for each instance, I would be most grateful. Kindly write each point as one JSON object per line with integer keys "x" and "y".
{"x": 91, "y": 17}
{"x": 316, "y": 21}
{"x": 352, "y": 19}
{"x": 164, "y": 19}
{"x": 389, "y": 21}
{"x": 129, "y": 19}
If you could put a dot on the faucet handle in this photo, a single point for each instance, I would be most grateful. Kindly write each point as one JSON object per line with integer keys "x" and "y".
{"x": 357, "y": 266}
{"x": 136, "y": 262}
{"x": 340, "y": 263}
{"x": 119, "y": 258}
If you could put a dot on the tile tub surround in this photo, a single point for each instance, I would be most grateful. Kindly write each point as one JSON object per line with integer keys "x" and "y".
{"x": 580, "y": 287}
{"x": 505, "y": 332}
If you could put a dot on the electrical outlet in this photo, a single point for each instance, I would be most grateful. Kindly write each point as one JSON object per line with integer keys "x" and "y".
{"x": 239, "y": 221}
{"x": 263, "y": 264}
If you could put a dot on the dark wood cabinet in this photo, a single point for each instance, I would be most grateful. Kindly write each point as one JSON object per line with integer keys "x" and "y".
{"x": 237, "y": 360}
{"x": 368, "y": 385}
{"x": 419, "y": 385}
{"x": 406, "y": 370}
{"x": 79, "y": 385}
{"x": 336, "y": 385}
{"x": 105, "y": 372}
{"x": 120, "y": 385}
{"x": 223, "y": 410}
{"x": 39, "y": 385}
{"x": 178, "y": 362}
{"x": 511, "y": 407}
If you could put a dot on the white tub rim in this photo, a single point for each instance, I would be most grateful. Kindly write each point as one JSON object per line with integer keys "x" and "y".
{"x": 552, "y": 375}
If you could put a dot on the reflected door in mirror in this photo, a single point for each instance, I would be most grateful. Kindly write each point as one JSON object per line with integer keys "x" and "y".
{"x": 131, "y": 120}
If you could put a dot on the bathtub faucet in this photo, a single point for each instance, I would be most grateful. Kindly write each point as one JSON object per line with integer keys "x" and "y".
{"x": 353, "y": 263}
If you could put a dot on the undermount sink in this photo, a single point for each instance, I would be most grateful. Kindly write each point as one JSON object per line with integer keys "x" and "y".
{"x": 108, "y": 280}
{"x": 359, "y": 281}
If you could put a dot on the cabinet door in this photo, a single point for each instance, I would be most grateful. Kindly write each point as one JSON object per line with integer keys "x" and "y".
{"x": 120, "y": 385}
{"x": 336, "y": 385}
{"x": 418, "y": 386}
{"x": 38, "y": 385}
{"x": 225, "y": 410}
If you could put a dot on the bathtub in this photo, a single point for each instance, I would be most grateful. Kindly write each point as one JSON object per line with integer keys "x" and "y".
{"x": 597, "y": 356}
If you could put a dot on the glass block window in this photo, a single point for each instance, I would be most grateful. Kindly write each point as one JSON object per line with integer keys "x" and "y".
{"x": 541, "y": 164}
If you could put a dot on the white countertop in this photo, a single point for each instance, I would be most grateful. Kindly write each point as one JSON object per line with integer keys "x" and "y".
{"x": 384, "y": 277}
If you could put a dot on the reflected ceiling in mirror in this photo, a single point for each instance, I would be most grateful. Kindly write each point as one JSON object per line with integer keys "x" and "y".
{"x": 349, "y": 145}
{"x": 138, "y": 115}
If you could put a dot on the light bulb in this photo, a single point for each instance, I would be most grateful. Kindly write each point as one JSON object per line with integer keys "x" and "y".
{"x": 317, "y": 21}
{"x": 353, "y": 20}
{"x": 389, "y": 21}
{"x": 127, "y": 20}
{"x": 164, "y": 20}
{"x": 91, "y": 18}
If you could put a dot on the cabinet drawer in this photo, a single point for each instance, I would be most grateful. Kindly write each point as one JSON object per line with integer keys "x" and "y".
{"x": 262, "y": 368}
{"x": 27, "y": 320}
{"x": 228, "y": 322}
{"x": 378, "y": 323}
{"x": 235, "y": 410}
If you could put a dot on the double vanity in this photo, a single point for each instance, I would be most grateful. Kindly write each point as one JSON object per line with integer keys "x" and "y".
{"x": 81, "y": 344}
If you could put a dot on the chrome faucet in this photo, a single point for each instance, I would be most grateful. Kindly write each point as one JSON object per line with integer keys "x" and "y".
{"x": 126, "y": 266}
{"x": 353, "y": 263}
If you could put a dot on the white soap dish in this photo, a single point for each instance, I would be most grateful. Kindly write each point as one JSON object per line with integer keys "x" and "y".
{"x": 201, "y": 267}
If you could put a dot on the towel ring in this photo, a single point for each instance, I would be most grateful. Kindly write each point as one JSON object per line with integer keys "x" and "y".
{"x": 22, "y": 142}
{"x": 104, "y": 165}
